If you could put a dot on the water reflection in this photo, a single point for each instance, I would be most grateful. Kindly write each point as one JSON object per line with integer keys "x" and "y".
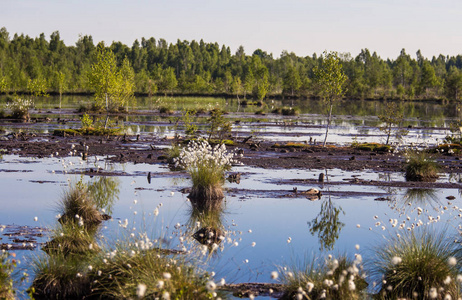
{"x": 206, "y": 223}
{"x": 414, "y": 198}
{"x": 327, "y": 225}
{"x": 104, "y": 191}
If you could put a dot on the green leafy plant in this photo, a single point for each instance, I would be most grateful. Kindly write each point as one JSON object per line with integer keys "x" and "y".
{"x": 219, "y": 127}
{"x": 392, "y": 118}
{"x": 86, "y": 121}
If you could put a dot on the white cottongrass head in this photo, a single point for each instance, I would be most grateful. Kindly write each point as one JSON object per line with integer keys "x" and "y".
{"x": 396, "y": 260}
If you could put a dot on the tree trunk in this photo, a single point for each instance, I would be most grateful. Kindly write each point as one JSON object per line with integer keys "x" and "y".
{"x": 329, "y": 118}
{"x": 107, "y": 112}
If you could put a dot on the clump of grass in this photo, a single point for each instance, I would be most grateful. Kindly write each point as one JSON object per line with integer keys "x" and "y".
{"x": 417, "y": 265}
{"x": 173, "y": 152}
{"x": 72, "y": 239}
{"x": 130, "y": 272}
{"x": 420, "y": 166}
{"x": 20, "y": 108}
{"x": 207, "y": 166}
{"x": 166, "y": 110}
{"x": 6, "y": 283}
{"x": 324, "y": 279}
{"x": 79, "y": 208}
{"x": 60, "y": 277}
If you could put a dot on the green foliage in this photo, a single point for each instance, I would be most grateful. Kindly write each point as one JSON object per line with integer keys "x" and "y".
{"x": 219, "y": 126}
{"x": 331, "y": 279}
{"x": 393, "y": 117}
{"x": 205, "y": 68}
{"x": 86, "y": 121}
{"x": 420, "y": 166}
{"x": 330, "y": 80}
{"x": 417, "y": 265}
{"x": 38, "y": 87}
{"x": 327, "y": 224}
{"x": 113, "y": 86}
{"x": 190, "y": 128}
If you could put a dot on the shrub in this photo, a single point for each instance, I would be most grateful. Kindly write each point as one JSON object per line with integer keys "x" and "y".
{"x": 420, "y": 166}
{"x": 417, "y": 265}
{"x": 375, "y": 147}
{"x": 328, "y": 279}
{"x": 207, "y": 166}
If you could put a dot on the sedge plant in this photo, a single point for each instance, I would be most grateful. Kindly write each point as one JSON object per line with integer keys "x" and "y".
{"x": 6, "y": 282}
{"x": 330, "y": 278}
{"x": 417, "y": 265}
{"x": 137, "y": 270}
{"x": 420, "y": 166}
{"x": 207, "y": 166}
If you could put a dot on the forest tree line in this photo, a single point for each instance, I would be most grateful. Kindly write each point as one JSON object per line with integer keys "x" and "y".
{"x": 28, "y": 64}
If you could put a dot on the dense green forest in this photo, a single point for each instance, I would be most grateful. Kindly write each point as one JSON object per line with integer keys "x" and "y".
{"x": 28, "y": 64}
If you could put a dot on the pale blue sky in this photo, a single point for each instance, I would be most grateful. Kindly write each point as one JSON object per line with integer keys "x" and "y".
{"x": 299, "y": 26}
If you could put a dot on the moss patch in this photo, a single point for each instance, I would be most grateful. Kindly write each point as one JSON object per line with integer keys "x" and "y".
{"x": 87, "y": 131}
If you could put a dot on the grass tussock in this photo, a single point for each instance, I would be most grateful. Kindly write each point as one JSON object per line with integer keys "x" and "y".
{"x": 70, "y": 239}
{"x": 60, "y": 277}
{"x": 286, "y": 111}
{"x": 207, "y": 166}
{"x": 130, "y": 272}
{"x": 6, "y": 283}
{"x": 420, "y": 166}
{"x": 324, "y": 279}
{"x": 78, "y": 207}
{"x": 417, "y": 265}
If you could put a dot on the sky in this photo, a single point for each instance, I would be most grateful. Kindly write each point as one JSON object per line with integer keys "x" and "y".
{"x": 300, "y": 26}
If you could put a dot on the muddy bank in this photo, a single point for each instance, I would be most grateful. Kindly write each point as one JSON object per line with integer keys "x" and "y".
{"x": 150, "y": 150}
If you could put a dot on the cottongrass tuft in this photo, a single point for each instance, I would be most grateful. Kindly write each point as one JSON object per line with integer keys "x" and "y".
{"x": 416, "y": 265}
{"x": 420, "y": 166}
{"x": 324, "y": 279}
{"x": 207, "y": 166}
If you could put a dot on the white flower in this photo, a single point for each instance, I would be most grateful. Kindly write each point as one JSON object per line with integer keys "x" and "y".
{"x": 433, "y": 293}
{"x": 253, "y": 244}
{"x": 210, "y": 286}
{"x": 160, "y": 284}
{"x": 309, "y": 287}
{"x": 35, "y": 219}
{"x": 141, "y": 290}
{"x": 452, "y": 261}
{"x": 167, "y": 276}
{"x": 396, "y": 260}
{"x": 274, "y": 275}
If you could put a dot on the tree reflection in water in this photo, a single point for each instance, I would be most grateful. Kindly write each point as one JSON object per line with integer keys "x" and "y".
{"x": 105, "y": 191}
{"x": 327, "y": 224}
